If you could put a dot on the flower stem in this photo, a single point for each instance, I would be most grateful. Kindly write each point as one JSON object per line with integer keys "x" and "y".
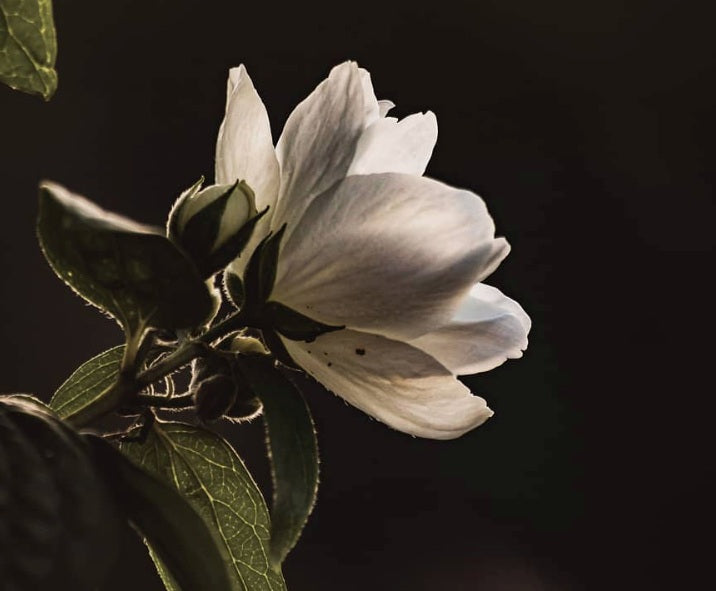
{"x": 127, "y": 387}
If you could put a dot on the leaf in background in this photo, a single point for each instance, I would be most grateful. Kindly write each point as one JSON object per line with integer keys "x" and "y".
{"x": 193, "y": 557}
{"x": 206, "y": 470}
{"x": 88, "y": 383}
{"x": 293, "y": 451}
{"x": 127, "y": 269}
{"x": 28, "y": 46}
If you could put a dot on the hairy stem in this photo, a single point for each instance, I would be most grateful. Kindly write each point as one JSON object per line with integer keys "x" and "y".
{"x": 128, "y": 386}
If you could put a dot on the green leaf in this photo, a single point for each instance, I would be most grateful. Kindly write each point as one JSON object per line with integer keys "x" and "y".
{"x": 293, "y": 451}
{"x": 62, "y": 519}
{"x": 294, "y": 325}
{"x": 88, "y": 383}
{"x": 192, "y": 557}
{"x": 206, "y": 470}
{"x": 28, "y": 46}
{"x": 127, "y": 269}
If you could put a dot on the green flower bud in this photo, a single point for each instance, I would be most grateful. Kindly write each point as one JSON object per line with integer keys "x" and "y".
{"x": 214, "y": 224}
{"x": 248, "y": 346}
{"x": 214, "y": 396}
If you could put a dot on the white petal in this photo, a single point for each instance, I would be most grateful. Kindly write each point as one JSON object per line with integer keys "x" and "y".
{"x": 390, "y": 145}
{"x": 388, "y": 253}
{"x": 487, "y": 329}
{"x": 371, "y": 104}
{"x": 384, "y": 107}
{"x": 393, "y": 382}
{"x": 318, "y": 142}
{"x": 244, "y": 148}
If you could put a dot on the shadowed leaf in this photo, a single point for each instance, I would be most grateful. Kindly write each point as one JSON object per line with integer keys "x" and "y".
{"x": 192, "y": 557}
{"x": 206, "y": 470}
{"x": 293, "y": 451}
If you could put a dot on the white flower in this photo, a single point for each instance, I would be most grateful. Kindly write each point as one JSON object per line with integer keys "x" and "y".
{"x": 372, "y": 245}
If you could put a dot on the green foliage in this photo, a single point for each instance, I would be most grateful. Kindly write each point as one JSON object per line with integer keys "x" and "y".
{"x": 293, "y": 451}
{"x": 88, "y": 383}
{"x": 131, "y": 271}
{"x": 28, "y": 46}
{"x": 60, "y": 523}
{"x": 192, "y": 556}
{"x": 206, "y": 470}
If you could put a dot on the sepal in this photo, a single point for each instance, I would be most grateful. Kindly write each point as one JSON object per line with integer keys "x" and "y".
{"x": 213, "y": 225}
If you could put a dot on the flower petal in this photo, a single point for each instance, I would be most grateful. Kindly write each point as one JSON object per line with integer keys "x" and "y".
{"x": 487, "y": 329}
{"x": 384, "y": 107}
{"x": 388, "y": 253}
{"x": 389, "y": 145}
{"x": 318, "y": 142}
{"x": 244, "y": 148}
{"x": 393, "y": 382}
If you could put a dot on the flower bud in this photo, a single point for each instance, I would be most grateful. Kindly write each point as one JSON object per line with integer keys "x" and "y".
{"x": 248, "y": 346}
{"x": 214, "y": 224}
{"x": 214, "y": 396}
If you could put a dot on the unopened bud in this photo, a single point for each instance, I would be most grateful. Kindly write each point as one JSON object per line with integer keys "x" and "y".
{"x": 214, "y": 396}
{"x": 213, "y": 224}
{"x": 248, "y": 346}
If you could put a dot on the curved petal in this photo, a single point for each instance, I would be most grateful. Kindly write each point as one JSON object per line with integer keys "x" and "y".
{"x": 388, "y": 253}
{"x": 244, "y": 148}
{"x": 318, "y": 142}
{"x": 392, "y": 381}
{"x": 384, "y": 107}
{"x": 371, "y": 104}
{"x": 487, "y": 329}
{"x": 389, "y": 145}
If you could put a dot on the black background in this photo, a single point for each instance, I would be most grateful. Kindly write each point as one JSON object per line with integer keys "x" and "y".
{"x": 586, "y": 126}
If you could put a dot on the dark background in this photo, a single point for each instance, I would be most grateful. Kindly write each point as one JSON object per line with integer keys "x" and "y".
{"x": 588, "y": 129}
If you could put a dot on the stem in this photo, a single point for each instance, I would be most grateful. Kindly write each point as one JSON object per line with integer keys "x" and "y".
{"x": 183, "y": 401}
{"x": 127, "y": 387}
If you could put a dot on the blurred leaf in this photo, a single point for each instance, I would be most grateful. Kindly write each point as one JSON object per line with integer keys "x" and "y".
{"x": 88, "y": 383}
{"x": 293, "y": 451}
{"x": 192, "y": 557}
{"x": 127, "y": 269}
{"x": 62, "y": 520}
{"x": 28, "y": 46}
{"x": 206, "y": 470}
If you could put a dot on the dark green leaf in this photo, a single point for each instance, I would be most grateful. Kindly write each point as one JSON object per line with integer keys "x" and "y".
{"x": 129, "y": 270}
{"x": 28, "y": 46}
{"x": 63, "y": 519}
{"x": 189, "y": 550}
{"x": 293, "y": 325}
{"x": 293, "y": 451}
{"x": 261, "y": 270}
{"x": 207, "y": 471}
{"x": 88, "y": 383}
